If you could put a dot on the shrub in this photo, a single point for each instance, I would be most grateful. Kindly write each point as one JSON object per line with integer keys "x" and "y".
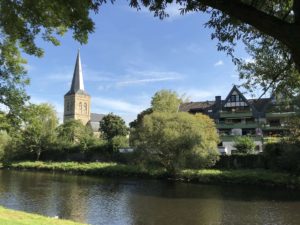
{"x": 244, "y": 145}
{"x": 283, "y": 156}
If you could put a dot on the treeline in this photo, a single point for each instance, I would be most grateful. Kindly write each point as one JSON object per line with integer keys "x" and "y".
{"x": 161, "y": 136}
{"x": 40, "y": 137}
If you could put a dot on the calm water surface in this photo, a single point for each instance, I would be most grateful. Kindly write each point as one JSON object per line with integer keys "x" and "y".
{"x": 124, "y": 201}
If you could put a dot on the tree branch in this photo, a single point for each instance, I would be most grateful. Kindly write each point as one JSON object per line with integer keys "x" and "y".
{"x": 264, "y": 22}
{"x": 296, "y": 9}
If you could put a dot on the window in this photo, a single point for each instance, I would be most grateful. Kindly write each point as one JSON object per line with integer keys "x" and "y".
{"x": 80, "y": 107}
{"x": 232, "y": 98}
{"x": 85, "y": 108}
{"x": 68, "y": 107}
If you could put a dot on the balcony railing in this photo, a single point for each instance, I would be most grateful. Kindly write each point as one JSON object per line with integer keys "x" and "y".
{"x": 224, "y": 114}
{"x": 273, "y": 127}
{"x": 237, "y": 125}
{"x": 279, "y": 114}
{"x": 233, "y": 137}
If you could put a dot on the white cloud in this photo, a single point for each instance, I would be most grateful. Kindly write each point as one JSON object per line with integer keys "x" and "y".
{"x": 134, "y": 77}
{"x": 143, "y": 81}
{"x": 116, "y": 105}
{"x": 219, "y": 63}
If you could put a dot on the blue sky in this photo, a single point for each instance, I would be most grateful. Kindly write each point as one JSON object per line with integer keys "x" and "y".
{"x": 130, "y": 56}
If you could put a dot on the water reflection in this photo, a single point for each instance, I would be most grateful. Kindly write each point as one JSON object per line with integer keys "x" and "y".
{"x": 123, "y": 201}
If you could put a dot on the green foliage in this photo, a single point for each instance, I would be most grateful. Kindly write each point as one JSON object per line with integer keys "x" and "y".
{"x": 4, "y": 143}
{"x": 39, "y": 128}
{"x": 214, "y": 176}
{"x": 112, "y": 125}
{"x": 73, "y": 132}
{"x": 165, "y": 101}
{"x": 169, "y": 138}
{"x": 271, "y": 68}
{"x": 118, "y": 142}
{"x": 20, "y": 24}
{"x": 283, "y": 156}
{"x": 244, "y": 145}
{"x": 293, "y": 125}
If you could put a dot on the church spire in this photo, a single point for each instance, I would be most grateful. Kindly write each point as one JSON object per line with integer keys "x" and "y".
{"x": 77, "y": 85}
{"x": 77, "y": 82}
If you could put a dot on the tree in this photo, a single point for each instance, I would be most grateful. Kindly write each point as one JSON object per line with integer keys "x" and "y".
{"x": 112, "y": 125}
{"x": 4, "y": 142}
{"x": 165, "y": 101}
{"x": 171, "y": 138}
{"x": 20, "y": 23}
{"x": 244, "y": 145}
{"x": 74, "y": 132}
{"x": 39, "y": 128}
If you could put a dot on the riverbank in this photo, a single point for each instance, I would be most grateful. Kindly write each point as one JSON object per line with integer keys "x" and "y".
{"x": 204, "y": 176}
{"x": 13, "y": 217}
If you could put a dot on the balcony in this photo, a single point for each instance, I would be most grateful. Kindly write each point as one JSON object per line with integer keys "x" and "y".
{"x": 279, "y": 114}
{"x": 232, "y": 138}
{"x": 235, "y": 114}
{"x": 267, "y": 127}
{"x": 237, "y": 125}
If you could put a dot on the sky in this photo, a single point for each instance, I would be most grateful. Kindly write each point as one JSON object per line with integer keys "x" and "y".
{"x": 130, "y": 56}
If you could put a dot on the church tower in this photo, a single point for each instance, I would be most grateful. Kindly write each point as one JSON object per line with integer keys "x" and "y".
{"x": 77, "y": 102}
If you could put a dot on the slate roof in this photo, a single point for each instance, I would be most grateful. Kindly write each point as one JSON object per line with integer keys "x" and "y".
{"x": 186, "y": 107}
{"x": 77, "y": 86}
{"x": 94, "y": 121}
{"x": 259, "y": 104}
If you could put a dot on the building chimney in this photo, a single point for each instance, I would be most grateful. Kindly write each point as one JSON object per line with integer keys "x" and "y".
{"x": 218, "y": 102}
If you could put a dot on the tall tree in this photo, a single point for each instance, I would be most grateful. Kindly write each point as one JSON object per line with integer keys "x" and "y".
{"x": 111, "y": 126}
{"x": 74, "y": 132}
{"x": 165, "y": 101}
{"x": 172, "y": 138}
{"x": 39, "y": 128}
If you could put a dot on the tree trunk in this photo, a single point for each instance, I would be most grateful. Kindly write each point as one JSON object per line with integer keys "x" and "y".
{"x": 38, "y": 154}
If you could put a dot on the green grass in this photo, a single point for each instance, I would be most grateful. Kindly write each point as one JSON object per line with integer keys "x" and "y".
{"x": 209, "y": 176}
{"x": 13, "y": 217}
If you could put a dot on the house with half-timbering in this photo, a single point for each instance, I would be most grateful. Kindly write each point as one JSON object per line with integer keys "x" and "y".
{"x": 236, "y": 116}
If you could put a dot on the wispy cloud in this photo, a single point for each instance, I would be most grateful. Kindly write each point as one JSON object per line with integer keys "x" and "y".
{"x": 150, "y": 80}
{"x": 134, "y": 77}
{"x": 219, "y": 63}
{"x": 143, "y": 77}
{"x": 116, "y": 105}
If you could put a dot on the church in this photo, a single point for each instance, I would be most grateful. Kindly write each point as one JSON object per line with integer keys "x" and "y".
{"x": 77, "y": 102}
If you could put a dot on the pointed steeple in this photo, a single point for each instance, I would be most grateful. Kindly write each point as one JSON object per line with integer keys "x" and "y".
{"x": 77, "y": 85}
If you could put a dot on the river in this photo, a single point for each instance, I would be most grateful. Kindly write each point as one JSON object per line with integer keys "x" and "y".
{"x": 115, "y": 201}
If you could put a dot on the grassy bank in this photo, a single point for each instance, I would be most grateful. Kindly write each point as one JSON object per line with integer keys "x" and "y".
{"x": 207, "y": 176}
{"x": 13, "y": 217}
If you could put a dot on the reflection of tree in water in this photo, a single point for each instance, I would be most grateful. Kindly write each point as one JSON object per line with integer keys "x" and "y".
{"x": 26, "y": 191}
{"x": 121, "y": 201}
{"x": 176, "y": 203}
